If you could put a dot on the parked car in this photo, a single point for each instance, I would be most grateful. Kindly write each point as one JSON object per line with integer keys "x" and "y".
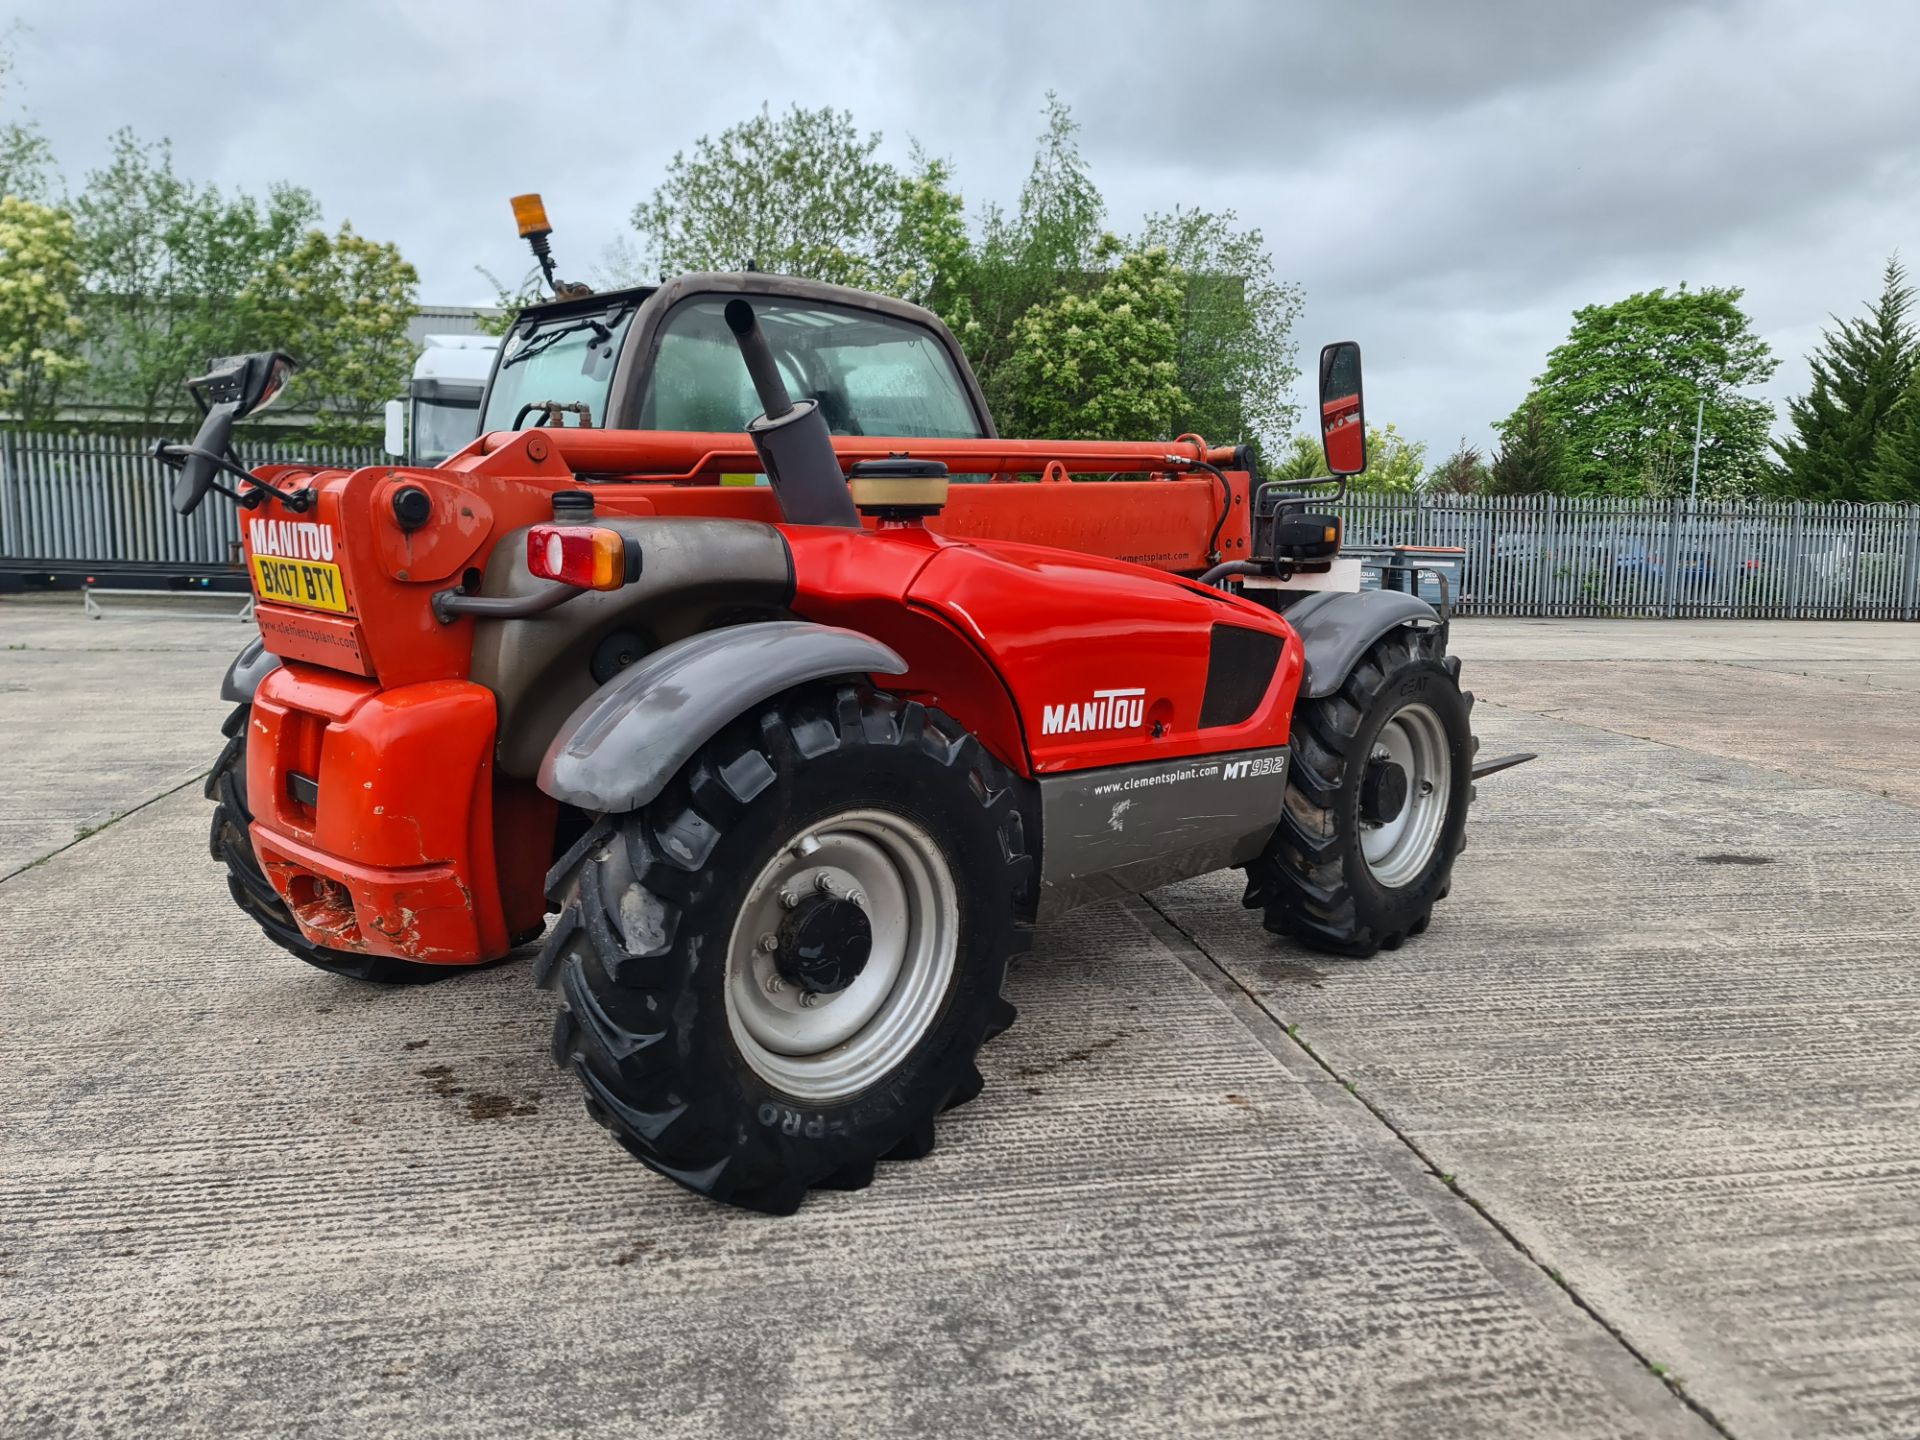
{"x": 1695, "y": 572}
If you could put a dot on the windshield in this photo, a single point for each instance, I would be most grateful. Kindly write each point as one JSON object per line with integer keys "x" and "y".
{"x": 567, "y": 359}
{"x": 441, "y": 427}
{"x": 872, "y": 374}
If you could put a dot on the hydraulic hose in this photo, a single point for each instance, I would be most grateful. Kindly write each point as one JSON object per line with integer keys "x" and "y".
{"x": 1226, "y": 494}
{"x": 1232, "y": 567}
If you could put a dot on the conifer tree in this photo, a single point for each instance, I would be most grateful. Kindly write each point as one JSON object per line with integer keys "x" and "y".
{"x": 1528, "y": 460}
{"x": 1894, "y": 475}
{"x": 1861, "y": 372}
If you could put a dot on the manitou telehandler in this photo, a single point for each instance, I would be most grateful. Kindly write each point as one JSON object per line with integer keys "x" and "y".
{"x": 782, "y": 696}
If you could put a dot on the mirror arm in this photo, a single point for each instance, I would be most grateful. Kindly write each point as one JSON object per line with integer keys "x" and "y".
{"x": 174, "y": 456}
{"x": 1339, "y": 482}
{"x": 245, "y": 499}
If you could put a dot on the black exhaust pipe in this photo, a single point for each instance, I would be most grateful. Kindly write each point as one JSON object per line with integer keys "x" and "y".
{"x": 794, "y": 444}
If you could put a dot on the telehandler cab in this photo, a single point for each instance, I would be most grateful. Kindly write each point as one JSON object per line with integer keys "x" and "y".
{"x": 784, "y": 771}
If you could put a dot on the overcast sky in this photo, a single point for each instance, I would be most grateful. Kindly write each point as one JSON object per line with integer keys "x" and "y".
{"x": 1447, "y": 181}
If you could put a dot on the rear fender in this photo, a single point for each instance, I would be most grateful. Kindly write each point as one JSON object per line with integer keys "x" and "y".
{"x": 1337, "y": 627}
{"x": 248, "y": 669}
{"x": 617, "y": 751}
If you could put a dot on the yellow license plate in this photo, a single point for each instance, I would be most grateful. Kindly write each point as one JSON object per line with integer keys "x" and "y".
{"x": 312, "y": 583}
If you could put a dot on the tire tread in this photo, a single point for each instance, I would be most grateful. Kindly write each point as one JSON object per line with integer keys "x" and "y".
{"x": 611, "y": 1022}
{"x": 1299, "y": 881}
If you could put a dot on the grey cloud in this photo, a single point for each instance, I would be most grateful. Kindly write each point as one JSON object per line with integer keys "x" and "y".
{"x": 1448, "y": 181}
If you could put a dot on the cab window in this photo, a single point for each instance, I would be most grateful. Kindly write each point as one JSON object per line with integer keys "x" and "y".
{"x": 871, "y": 374}
{"x": 566, "y": 360}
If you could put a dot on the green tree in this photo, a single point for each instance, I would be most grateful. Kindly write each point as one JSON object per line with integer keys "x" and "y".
{"x": 39, "y": 290}
{"x": 339, "y": 304}
{"x": 1024, "y": 259}
{"x": 808, "y": 193}
{"x": 1102, "y": 365}
{"x": 804, "y": 194}
{"x": 1620, "y": 394}
{"x": 1861, "y": 371}
{"x": 26, "y": 160}
{"x": 1394, "y": 463}
{"x": 531, "y": 291}
{"x": 1462, "y": 473}
{"x": 1894, "y": 475}
{"x": 1301, "y": 458}
{"x": 165, "y": 261}
{"x": 1528, "y": 461}
{"x": 927, "y": 257}
{"x": 1236, "y": 348}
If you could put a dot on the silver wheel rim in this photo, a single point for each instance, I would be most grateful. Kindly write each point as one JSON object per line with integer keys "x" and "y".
{"x": 1398, "y": 850}
{"x": 827, "y": 1047}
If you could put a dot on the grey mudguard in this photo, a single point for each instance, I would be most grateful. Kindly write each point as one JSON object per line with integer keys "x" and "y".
{"x": 246, "y": 672}
{"x": 626, "y": 740}
{"x": 1337, "y": 626}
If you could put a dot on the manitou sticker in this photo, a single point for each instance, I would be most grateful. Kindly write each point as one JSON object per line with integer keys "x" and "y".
{"x": 1109, "y": 710}
{"x": 291, "y": 539}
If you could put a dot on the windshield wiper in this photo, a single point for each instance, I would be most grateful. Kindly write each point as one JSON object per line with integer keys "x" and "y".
{"x": 540, "y": 344}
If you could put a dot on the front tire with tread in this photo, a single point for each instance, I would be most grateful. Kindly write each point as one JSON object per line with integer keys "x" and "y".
{"x": 1313, "y": 880}
{"x": 649, "y": 903}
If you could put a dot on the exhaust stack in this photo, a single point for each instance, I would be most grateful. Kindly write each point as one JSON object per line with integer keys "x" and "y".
{"x": 794, "y": 444}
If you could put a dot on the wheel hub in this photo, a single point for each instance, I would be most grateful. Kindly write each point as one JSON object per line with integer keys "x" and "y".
{"x": 825, "y": 942}
{"x": 1383, "y": 791}
{"x": 842, "y": 954}
{"x": 1405, "y": 795}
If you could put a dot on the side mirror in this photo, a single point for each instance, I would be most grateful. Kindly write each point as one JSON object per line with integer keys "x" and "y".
{"x": 396, "y": 439}
{"x": 1343, "y": 415}
{"x": 190, "y": 486}
{"x": 233, "y": 388}
{"x": 247, "y": 383}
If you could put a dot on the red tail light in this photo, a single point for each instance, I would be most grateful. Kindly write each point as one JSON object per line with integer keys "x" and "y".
{"x": 583, "y": 555}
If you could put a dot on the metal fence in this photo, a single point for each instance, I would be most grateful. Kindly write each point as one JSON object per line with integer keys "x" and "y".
{"x": 102, "y": 497}
{"x": 1539, "y": 555}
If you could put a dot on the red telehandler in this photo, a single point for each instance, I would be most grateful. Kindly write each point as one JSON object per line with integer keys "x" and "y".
{"x": 783, "y": 696}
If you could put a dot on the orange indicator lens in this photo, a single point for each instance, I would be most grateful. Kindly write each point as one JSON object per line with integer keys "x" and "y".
{"x": 583, "y": 555}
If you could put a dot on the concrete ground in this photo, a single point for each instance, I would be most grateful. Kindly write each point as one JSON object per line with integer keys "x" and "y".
{"x": 1628, "y": 1144}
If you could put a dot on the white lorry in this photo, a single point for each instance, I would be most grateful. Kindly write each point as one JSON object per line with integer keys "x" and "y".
{"x": 441, "y": 413}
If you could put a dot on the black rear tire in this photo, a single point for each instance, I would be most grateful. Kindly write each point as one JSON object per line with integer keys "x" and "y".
{"x": 232, "y": 845}
{"x": 1314, "y": 880}
{"x": 646, "y": 946}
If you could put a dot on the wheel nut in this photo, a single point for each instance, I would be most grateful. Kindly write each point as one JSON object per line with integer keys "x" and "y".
{"x": 858, "y": 898}
{"x": 809, "y": 999}
{"x": 823, "y": 883}
{"x": 788, "y": 899}
{"x": 769, "y": 942}
{"x": 775, "y": 984}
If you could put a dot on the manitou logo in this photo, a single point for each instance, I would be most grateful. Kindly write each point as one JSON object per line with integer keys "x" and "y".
{"x": 1108, "y": 710}
{"x": 291, "y": 539}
